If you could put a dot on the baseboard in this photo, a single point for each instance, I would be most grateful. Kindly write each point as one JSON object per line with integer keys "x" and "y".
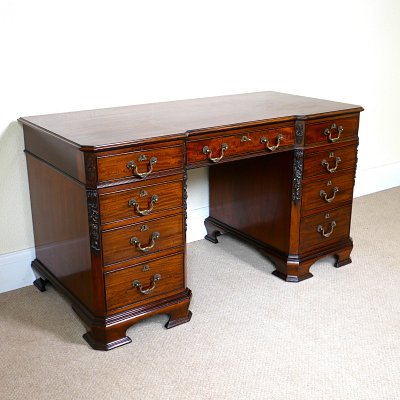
{"x": 15, "y": 269}
{"x": 375, "y": 179}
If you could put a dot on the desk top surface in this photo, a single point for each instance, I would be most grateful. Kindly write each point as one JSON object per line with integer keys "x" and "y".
{"x": 130, "y": 124}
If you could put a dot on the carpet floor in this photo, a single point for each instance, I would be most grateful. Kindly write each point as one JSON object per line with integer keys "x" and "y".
{"x": 252, "y": 336}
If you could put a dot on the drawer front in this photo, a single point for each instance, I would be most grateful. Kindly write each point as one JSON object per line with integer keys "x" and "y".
{"x": 327, "y": 193}
{"x": 325, "y": 228}
{"x": 135, "y": 241}
{"x": 329, "y": 161}
{"x": 139, "y": 164}
{"x": 223, "y": 147}
{"x": 144, "y": 281}
{"x": 139, "y": 201}
{"x": 332, "y": 131}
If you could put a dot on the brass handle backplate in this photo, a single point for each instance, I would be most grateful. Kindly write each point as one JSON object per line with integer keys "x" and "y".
{"x": 321, "y": 230}
{"x": 265, "y": 141}
{"x": 245, "y": 138}
{"x": 325, "y": 164}
{"x": 325, "y": 197}
{"x": 334, "y": 127}
{"x": 132, "y": 165}
{"x": 136, "y": 283}
{"x": 136, "y": 242}
{"x": 135, "y": 204}
{"x": 207, "y": 151}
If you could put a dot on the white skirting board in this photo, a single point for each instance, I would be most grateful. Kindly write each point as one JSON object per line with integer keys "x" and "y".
{"x": 15, "y": 268}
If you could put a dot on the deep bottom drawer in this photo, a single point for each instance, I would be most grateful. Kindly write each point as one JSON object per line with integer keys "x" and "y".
{"x": 144, "y": 281}
{"x": 325, "y": 228}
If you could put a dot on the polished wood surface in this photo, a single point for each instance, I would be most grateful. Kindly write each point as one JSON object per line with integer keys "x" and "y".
{"x": 117, "y": 244}
{"x": 323, "y": 194}
{"x": 138, "y": 123}
{"x": 245, "y": 142}
{"x": 109, "y": 199}
{"x": 116, "y": 166}
{"x": 120, "y": 289}
{"x": 339, "y": 158}
{"x": 127, "y": 203}
{"x": 316, "y": 131}
{"x": 311, "y": 238}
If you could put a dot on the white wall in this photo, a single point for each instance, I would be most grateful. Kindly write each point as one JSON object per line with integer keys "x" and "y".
{"x": 69, "y": 55}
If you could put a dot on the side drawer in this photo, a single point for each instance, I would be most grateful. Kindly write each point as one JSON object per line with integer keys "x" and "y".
{"x": 144, "y": 281}
{"x": 138, "y": 200}
{"x": 223, "y": 147}
{"x": 325, "y": 228}
{"x": 134, "y": 241}
{"x": 331, "y": 131}
{"x": 139, "y": 164}
{"x": 329, "y": 161}
{"x": 327, "y": 193}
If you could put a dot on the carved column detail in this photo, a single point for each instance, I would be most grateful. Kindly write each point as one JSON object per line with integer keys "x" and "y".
{"x": 94, "y": 220}
{"x": 185, "y": 196}
{"x": 297, "y": 175}
{"x": 299, "y": 132}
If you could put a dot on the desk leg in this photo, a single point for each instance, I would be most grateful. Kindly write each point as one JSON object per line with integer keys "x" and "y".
{"x": 212, "y": 231}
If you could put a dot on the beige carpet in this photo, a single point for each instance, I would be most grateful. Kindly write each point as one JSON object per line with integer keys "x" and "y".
{"x": 252, "y": 336}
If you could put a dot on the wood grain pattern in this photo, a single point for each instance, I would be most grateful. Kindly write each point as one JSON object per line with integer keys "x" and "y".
{"x": 313, "y": 160}
{"x": 120, "y": 291}
{"x": 117, "y": 246}
{"x": 114, "y": 206}
{"x": 116, "y": 166}
{"x": 110, "y": 127}
{"x": 314, "y": 202}
{"x": 315, "y": 130}
{"x": 239, "y": 144}
{"x": 310, "y": 238}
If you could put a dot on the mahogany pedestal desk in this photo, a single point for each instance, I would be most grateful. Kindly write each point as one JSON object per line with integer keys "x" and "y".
{"x": 108, "y": 195}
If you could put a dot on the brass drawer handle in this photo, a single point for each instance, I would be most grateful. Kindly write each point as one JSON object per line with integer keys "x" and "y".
{"x": 321, "y": 230}
{"x": 136, "y": 283}
{"x": 325, "y": 164}
{"x": 136, "y": 242}
{"x": 325, "y": 197}
{"x": 266, "y": 141}
{"x": 334, "y": 127}
{"x": 132, "y": 165}
{"x": 135, "y": 204}
{"x": 207, "y": 151}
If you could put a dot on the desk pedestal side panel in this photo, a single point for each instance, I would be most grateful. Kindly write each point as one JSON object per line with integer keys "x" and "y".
{"x": 71, "y": 249}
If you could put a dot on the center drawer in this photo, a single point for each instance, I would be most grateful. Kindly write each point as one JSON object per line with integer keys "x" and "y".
{"x": 137, "y": 240}
{"x": 144, "y": 281}
{"x": 214, "y": 149}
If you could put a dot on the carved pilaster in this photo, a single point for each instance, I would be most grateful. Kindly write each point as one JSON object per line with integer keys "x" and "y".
{"x": 185, "y": 196}
{"x": 297, "y": 175}
{"x": 299, "y": 132}
{"x": 93, "y": 217}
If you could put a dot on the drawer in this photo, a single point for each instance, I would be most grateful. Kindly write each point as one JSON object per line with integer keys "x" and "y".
{"x": 329, "y": 161}
{"x": 328, "y": 192}
{"x": 325, "y": 228}
{"x": 139, "y": 164}
{"x": 331, "y": 131}
{"x": 140, "y": 200}
{"x": 144, "y": 281}
{"x": 223, "y": 147}
{"x": 134, "y": 241}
